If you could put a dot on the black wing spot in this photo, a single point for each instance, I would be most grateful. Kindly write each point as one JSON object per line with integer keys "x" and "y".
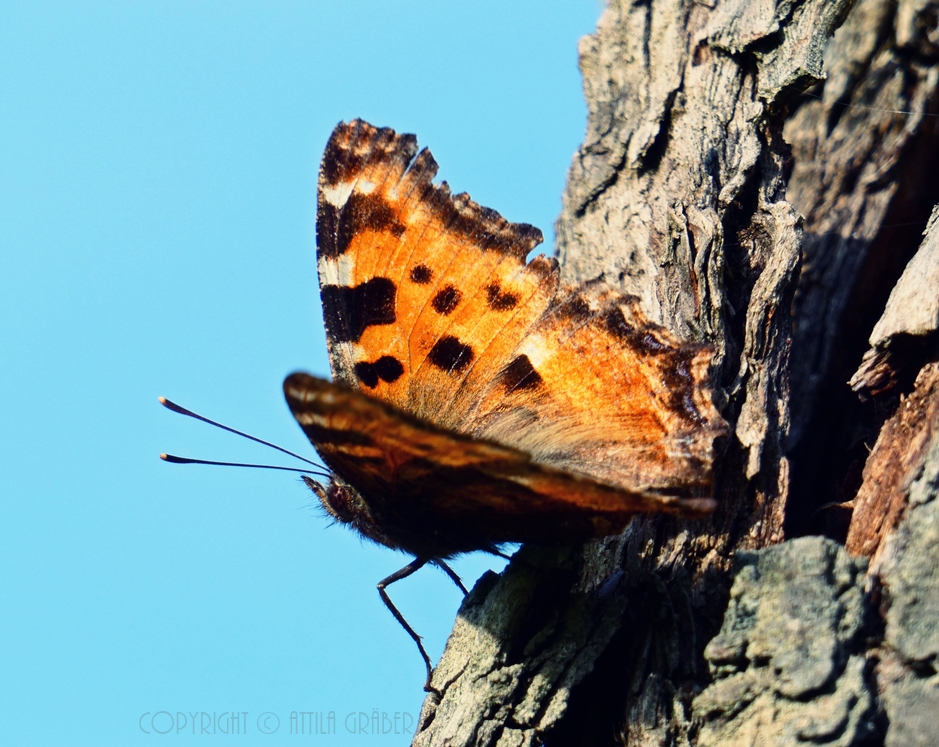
{"x": 335, "y": 227}
{"x": 449, "y": 354}
{"x": 446, "y": 300}
{"x": 422, "y": 275}
{"x": 327, "y": 226}
{"x": 349, "y": 310}
{"x": 520, "y": 375}
{"x": 387, "y": 368}
{"x": 499, "y": 301}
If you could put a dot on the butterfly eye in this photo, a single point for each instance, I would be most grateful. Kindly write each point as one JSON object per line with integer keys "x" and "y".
{"x": 336, "y": 500}
{"x": 339, "y": 500}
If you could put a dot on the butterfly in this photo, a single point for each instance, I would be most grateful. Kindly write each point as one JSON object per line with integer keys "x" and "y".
{"x": 475, "y": 401}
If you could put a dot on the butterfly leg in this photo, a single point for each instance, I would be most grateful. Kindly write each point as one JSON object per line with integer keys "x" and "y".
{"x": 452, "y": 574}
{"x": 412, "y": 567}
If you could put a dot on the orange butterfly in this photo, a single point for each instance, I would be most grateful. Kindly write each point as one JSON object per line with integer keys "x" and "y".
{"x": 475, "y": 401}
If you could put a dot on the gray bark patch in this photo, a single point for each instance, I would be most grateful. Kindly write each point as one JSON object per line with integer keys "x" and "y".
{"x": 787, "y": 662}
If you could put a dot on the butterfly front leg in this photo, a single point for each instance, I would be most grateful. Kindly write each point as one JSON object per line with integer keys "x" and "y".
{"x": 412, "y": 567}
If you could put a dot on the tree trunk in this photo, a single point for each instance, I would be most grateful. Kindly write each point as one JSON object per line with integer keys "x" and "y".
{"x": 710, "y": 133}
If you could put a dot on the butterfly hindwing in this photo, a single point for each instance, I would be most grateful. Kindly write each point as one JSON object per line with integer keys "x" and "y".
{"x": 635, "y": 409}
{"x": 436, "y": 493}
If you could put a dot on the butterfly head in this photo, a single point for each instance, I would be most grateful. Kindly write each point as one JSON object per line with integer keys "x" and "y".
{"x": 344, "y": 503}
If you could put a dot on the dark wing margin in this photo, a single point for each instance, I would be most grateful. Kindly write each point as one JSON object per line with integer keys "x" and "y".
{"x": 354, "y": 149}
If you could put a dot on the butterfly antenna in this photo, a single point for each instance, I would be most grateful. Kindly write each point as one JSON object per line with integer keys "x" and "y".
{"x": 173, "y": 459}
{"x": 170, "y": 405}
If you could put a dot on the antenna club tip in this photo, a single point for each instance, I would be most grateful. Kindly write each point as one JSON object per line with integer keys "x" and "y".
{"x": 170, "y": 405}
{"x": 164, "y": 457}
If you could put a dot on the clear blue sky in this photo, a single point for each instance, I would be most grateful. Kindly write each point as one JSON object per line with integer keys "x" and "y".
{"x": 157, "y": 184}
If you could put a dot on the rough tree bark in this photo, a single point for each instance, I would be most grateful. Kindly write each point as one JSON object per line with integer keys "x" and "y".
{"x": 712, "y": 130}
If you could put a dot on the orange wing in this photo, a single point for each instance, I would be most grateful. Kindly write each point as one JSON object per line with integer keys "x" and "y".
{"x": 435, "y": 493}
{"x": 431, "y": 307}
{"x": 419, "y": 287}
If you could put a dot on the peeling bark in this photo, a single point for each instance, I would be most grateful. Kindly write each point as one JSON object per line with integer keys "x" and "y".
{"x": 907, "y": 332}
{"x": 702, "y": 154}
{"x": 895, "y": 462}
